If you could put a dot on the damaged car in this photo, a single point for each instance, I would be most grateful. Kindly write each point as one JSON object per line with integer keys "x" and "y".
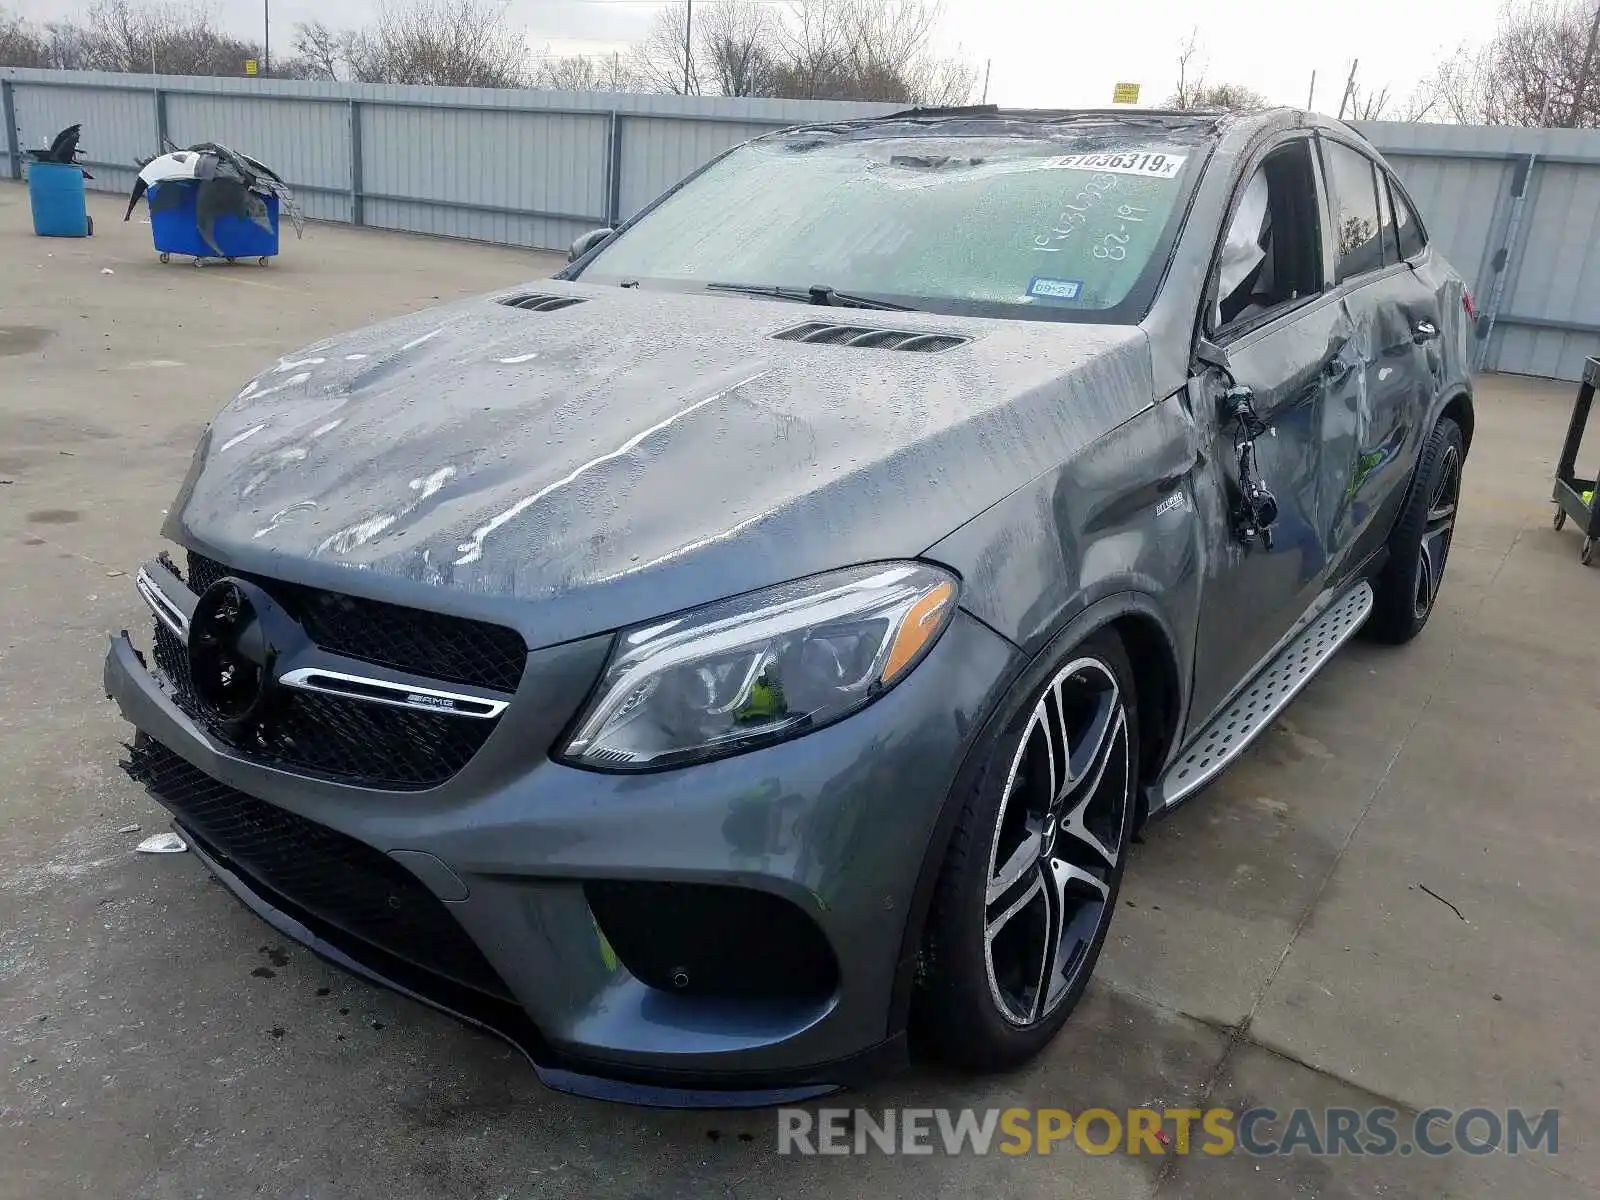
{"x": 749, "y": 655}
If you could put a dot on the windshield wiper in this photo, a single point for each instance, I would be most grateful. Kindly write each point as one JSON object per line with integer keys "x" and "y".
{"x": 817, "y": 293}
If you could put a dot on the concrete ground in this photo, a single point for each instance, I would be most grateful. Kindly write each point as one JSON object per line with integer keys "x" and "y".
{"x": 1277, "y": 945}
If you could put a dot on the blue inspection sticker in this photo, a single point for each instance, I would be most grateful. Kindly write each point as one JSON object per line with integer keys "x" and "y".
{"x": 1055, "y": 289}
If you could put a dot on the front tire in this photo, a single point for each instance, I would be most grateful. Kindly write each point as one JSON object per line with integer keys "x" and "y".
{"x": 1030, "y": 881}
{"x": 1406, "y": 590}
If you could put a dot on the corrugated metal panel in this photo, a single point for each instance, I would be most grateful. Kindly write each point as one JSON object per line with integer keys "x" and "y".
{"x": 1460, "y": 201}
{"x": 305, "y": 142}
{"x": 495, "y": 158}
{"x": 657, "y": 153}
{"x": 1557, "y": 276}
{"x": 118, "y": 127}
{"x": 1463, "y": 179}
{"x": 505, "y": 229}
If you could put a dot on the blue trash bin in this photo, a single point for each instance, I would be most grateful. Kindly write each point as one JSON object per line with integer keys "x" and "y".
{"x": 55, "y": 192}
{"x": 175, "y": 227}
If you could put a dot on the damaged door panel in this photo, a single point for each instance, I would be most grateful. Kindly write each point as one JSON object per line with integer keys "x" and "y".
{"x": 1287, "y": 353}
{"x": 1396, "y": 323}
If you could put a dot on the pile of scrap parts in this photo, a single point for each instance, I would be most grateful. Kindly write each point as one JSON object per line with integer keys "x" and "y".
{"x": 229, "y": 184}
{"x": 64, "y": 150}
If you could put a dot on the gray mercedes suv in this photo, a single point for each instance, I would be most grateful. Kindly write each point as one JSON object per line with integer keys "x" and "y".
{"x": 748, "y": 654}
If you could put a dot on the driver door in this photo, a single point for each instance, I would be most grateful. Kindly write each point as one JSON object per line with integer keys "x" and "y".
{"x": 1285, "y": 335}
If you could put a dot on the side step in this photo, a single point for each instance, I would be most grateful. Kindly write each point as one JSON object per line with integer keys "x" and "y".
{"x": 1267, "y": 695}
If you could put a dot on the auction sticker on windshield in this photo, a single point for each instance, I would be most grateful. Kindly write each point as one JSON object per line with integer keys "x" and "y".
{"x": 1148, "y": 163}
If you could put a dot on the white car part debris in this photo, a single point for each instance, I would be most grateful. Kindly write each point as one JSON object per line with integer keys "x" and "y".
{"x": 163, "y": 843}
{"x": 184, "y": 164}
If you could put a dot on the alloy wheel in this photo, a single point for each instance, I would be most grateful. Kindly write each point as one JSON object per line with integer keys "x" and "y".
{"x": 1058, "y": 842}
{"x": 1437, "y": 530}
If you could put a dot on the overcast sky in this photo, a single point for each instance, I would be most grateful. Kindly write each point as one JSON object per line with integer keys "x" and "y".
{"x": 1047, "y": 52}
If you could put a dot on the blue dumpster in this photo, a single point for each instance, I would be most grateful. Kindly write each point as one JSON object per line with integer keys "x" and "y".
{"x": 175, "y": 228}
{"x": 55, "y": 192}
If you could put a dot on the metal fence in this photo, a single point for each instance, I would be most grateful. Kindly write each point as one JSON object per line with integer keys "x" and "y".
{"x": 1518, "y": 213}
{"x": 1517, "y": 210}
{"x": 526, "y": 168}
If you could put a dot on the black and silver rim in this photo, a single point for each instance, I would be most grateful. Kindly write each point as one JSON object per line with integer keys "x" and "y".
{"x": 1058, "y": 840}
{"x": 1437, "y": 530}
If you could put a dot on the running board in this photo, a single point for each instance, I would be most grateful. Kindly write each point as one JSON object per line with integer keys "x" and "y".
{"x": 1267, "y": 695}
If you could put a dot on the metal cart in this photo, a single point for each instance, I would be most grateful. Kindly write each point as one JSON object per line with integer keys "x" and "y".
{"x": 1571, "y": 491}
{"x": 175, "y": 229}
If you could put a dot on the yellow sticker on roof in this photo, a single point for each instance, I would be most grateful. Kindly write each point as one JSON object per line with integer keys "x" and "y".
{"x": 1151, "y": 164}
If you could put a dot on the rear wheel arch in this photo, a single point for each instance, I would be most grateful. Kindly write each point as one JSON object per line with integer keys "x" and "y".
{"x": 1459, "y": 409}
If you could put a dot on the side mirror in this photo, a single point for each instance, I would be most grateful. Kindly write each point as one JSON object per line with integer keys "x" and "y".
{"x": 586, "y": 242}
{"x": 1208, "y": 354}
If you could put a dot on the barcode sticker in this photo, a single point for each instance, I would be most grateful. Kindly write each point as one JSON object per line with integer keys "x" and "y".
{"x": 1135, "y": 162}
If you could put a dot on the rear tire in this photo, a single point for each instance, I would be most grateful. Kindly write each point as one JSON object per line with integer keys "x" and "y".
{"x": 1030, "y": 880}
{"x": 1406, "y": 590}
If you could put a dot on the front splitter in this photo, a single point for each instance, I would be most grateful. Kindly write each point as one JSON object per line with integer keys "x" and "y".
{"x": 876, "y": 1062}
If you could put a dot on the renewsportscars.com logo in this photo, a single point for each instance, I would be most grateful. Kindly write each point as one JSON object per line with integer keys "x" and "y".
{"x": 1259, "y": 1132}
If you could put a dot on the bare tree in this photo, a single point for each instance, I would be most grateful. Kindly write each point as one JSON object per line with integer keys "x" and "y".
{"x": 663, "y": 61}
{"x": 811, "y": 46}
{"x": 733, "y": 41}
{"x": 810, "y": 49}
{"x": 169, "y": 38}
{"x": 459, "y": 43}
{"x": 1229, "y": 97}
{"x": 1368, "y": 105}
{"x": 807, "y": 49}
{"x": 1541, "y": 67}
{"x": 1190, "y": 72}
{"x": 942, "y": 82}
{"x": 67, "y": 46}
{"x": 868, "y": 50}
{"x": 586, "y": 73}
{"x": 1193, "y": 92}
{"x": 324, "y": 53}
{"x": 21, "y": 45}
{"x": 1380, "y": 104}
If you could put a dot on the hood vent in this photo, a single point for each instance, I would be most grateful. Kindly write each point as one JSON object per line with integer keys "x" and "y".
{"x": 540, "y": 302}
{"x": 826, "y": 333}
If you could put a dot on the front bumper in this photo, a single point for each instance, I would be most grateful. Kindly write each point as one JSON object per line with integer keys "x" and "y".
{"x": 837, "y": 825}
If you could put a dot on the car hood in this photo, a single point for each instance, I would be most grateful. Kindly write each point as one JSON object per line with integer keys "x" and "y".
{"x": 635, "y": 452}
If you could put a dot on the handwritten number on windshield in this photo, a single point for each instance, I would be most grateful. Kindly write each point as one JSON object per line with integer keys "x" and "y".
{"x": 1113, "y": 246}
{"x": 1073, "y": 214}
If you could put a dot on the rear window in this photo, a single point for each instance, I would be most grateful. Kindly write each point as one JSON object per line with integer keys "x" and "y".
{"x": 1411, "y": 239}
{"x": 1356, "y": 224}
{"x": 1064, "y": 226}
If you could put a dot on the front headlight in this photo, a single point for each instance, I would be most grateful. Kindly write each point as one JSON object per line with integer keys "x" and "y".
{"x": 760, "y": 668}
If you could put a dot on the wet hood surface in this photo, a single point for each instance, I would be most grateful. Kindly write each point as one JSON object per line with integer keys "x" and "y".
{"x": 617, "y": 459}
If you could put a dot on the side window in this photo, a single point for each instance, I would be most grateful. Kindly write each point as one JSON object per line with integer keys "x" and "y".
{"x": 1412, "y": 241}
{"x": 1391, "y": 253}
{"x": 1353, "y": 200}
{"x": 1271, "y": 252}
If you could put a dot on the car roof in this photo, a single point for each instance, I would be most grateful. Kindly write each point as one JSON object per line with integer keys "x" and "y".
{"x": 977, "y": 119}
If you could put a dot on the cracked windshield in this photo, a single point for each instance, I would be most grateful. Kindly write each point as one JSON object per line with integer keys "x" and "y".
{"x": 1064, "y": 225}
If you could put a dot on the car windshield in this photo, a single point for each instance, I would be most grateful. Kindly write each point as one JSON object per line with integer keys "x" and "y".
{"x": 1055, "y": 227}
